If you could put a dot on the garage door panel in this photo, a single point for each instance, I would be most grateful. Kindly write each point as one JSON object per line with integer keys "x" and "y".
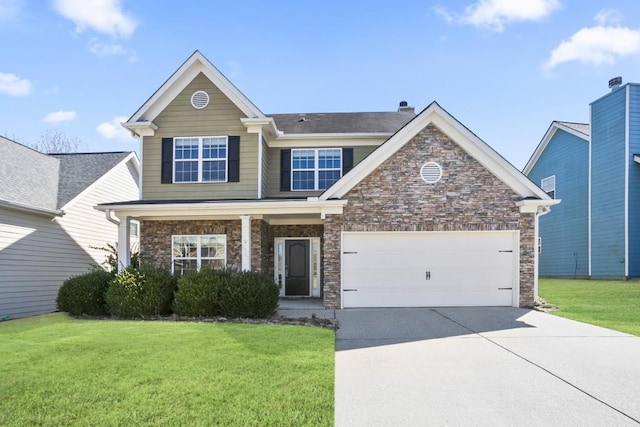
{"x": 428, "y": 269}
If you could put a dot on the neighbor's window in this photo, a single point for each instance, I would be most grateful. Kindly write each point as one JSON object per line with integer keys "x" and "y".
{"x": 548, "y": 185}
{"x": 315, "y": 169}
{"x": 194, "y": 252}
{"x": 200, "y": 159}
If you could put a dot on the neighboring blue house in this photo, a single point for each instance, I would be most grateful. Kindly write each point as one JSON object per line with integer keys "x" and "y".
{"x": 595, "y": 171}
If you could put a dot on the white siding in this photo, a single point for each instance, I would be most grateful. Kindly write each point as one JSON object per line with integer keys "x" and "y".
{"x": 37, "y": 253}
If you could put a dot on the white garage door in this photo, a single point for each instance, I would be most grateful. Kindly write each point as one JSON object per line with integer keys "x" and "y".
{"x": 429, "y": 269}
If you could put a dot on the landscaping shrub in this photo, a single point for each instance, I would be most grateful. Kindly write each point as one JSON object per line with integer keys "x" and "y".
{"x": 197, "y": 293}
{"x": 138, "y": 293}
{"x": 248, "y": 294}
{"x": 85, "y": 294}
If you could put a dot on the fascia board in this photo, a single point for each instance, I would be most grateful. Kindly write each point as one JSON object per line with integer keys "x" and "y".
{"x": 24, "y": 208}
{"x": 553, "y": 128}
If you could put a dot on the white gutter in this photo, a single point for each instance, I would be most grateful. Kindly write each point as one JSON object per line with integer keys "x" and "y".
{"x": 107, "y": 213}
{"x": 25, "y": 208}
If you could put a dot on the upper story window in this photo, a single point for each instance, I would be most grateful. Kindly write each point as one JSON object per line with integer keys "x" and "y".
{"x": 200, "y": 159}
{"x": 315, "y": 169}
{"x": 548, "y": 185}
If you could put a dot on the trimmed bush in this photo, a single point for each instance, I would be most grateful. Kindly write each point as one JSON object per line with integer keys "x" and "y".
{"x": 248, "y": 294}
{"x": 85, "y": 294}
{"x": 197, "y": 293}
{"x": 138, "y": 293}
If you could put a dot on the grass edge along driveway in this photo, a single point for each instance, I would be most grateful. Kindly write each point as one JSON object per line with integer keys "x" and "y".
{"x": 57, "y": 370}
{"x": 608, "y": 303}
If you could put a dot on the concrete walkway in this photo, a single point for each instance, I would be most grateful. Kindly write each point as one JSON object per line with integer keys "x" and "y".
{"x": 482, "y": 367}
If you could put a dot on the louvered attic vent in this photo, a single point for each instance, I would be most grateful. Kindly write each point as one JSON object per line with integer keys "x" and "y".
{"x": 199, "y": 99}
{"x": 431, "y": 172}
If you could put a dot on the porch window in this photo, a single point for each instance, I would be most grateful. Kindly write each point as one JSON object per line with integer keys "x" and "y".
{"x": 194, "y": 252}
{"x": 200, "y": 159}
{"x": 315, "y": 169}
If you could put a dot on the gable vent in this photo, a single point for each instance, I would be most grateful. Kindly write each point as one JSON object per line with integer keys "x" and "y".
{"x": 199, "y": 99}
{"x": 431, "y": 172}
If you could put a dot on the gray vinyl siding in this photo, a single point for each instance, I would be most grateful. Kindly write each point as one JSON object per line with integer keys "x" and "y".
{"x": 564, "y": 231}
{"x": 37, "y": 253}
{"x": 273, "y": 155}
{"x": 607, "y": 185}
{"x": 220, "y": 117}
{"x": 634, "y": 181}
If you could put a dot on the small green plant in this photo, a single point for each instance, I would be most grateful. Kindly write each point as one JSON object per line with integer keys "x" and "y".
{"x": 85, "y": 294}
{"x": 141, "y": 292}
{"x": 111, "y": 257}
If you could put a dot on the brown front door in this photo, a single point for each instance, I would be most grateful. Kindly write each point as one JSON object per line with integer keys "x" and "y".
{"x": 296, "y": 260}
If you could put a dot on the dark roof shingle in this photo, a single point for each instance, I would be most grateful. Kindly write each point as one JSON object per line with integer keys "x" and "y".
{"x": 375, "y": 122}
{"x": 79, "y": 170}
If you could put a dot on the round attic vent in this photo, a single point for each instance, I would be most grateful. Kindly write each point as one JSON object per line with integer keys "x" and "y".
{"x": 431, "y": 172}
{"x": 199, "y": 99}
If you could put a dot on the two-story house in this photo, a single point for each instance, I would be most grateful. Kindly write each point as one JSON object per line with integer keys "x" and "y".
{"x": 595, "y": 170}
{"x": 376, "y": 209}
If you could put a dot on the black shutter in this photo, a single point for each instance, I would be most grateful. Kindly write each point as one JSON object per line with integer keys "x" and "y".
{"x": 285, "y": 170}
{"x": 233, "y": 159}
{"x": 166, "y": 170}
{"x": 347, "y": 160}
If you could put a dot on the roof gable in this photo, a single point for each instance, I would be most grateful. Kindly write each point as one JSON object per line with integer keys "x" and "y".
{"x": 459, "y": 134}
{"x": 580, "y": 130}
{"x": 78, "y": 171}
{"x": 193, "y": 66}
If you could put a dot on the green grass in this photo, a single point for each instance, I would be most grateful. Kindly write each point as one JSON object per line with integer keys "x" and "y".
{"x": 612, "y": 304}
{"x": 55, "y": 370}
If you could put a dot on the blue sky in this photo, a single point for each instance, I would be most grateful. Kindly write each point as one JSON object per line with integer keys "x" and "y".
{"x": 504, "y": 68}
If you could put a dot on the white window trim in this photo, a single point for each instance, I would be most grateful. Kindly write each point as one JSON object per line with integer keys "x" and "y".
{"x": 316, "y": 169}
{"x": 200, "y": 159}
{"x": 545, "y": 184}
{"x": 198, "y": 257}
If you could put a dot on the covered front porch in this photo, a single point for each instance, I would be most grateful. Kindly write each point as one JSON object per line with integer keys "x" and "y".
{"x": 281, "y": 238}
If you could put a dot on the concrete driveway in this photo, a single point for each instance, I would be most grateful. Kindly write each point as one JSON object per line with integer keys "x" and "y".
{"x": 482, "y": 366}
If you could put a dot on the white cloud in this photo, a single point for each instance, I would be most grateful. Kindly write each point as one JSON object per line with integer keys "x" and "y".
{"x": 495, "y": 14}
{"x": 113, "y": 130}
{"x": 10, "y": 84}
{"x": 608, "y": 17}
{"x": 59, "y": 116}
{"x": 102, "y": 16}
{"x": 103, "y": 49}
{"x": 10, "y": 9}
{"x": 596, "y": 45}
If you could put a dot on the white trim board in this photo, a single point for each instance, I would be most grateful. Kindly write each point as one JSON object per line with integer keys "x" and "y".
{"x": 553, "y": 128}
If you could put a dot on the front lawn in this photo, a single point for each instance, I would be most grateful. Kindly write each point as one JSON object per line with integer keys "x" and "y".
{"x": 56, "y": 370}
{"x": 612, "y": 304}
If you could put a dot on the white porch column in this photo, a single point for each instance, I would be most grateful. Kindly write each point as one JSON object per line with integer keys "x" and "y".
{"x": 246, "y": 242}
{"x": 124, "y": 244}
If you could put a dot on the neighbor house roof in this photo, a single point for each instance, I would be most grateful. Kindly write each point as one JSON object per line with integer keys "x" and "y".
{"x": 581, "y": 130}
{"x": 79, "y": 170}
{"x": 28, "y": 178}
{"x": 374, "y": 122}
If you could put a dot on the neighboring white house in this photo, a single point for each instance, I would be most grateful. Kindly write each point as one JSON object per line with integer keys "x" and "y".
{"x": 49, "y": 228}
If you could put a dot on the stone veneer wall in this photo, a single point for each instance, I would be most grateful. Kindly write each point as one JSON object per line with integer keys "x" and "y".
{"x": 155, "y": 239}
{"x": 395, "y": 198}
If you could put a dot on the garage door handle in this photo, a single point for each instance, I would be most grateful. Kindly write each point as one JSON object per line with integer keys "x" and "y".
{"x": 349, "y": 290}
{"x": 427, "y": 275}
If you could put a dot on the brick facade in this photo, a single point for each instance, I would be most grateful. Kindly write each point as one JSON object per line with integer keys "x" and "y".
{"x": 395, "y": 198}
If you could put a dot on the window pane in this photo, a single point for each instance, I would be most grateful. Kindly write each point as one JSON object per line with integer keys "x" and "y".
{"x": 214, "y": 170}
{"x": 216, "y": 264}
{"x": 214, "y": 148}
{"x": 329, "y": 159}
{"x": 326, "y": 178}
{"x": 303, "y": 159}
{"x": 187, "y": 171}
{"x": 303, "y": 180}
{"x": 185, "y": 247}
{"x": 186, "y": 148}
{"x": 213, "y": 247}
{"x": 182, "y": 266}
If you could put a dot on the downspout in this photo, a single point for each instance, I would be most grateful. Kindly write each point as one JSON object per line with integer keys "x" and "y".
{"x": 541, "y": 212}
{"x": 107, "y": 213}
